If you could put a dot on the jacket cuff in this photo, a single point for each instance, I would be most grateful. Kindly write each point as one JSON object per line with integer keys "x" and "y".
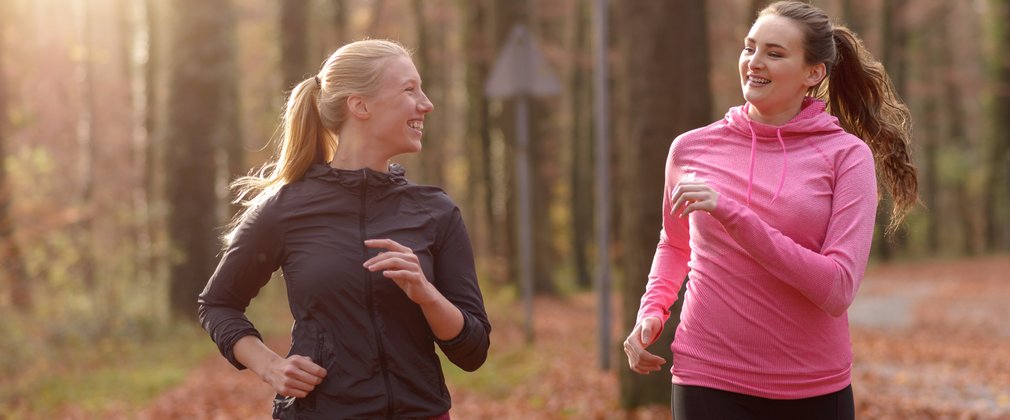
{"x": 468, "y": 350}
{"x": 460, "y": 338}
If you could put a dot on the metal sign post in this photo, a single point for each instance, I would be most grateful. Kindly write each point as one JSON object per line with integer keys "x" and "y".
{"x": 603, "y": 180}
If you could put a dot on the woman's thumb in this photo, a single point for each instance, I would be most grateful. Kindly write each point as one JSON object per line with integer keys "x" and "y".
{"x": 646, "y": 333}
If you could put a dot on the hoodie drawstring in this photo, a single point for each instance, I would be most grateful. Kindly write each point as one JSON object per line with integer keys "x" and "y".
{"x": 753, "y": 147}
{"x": 785, "y": 164}
{"x": 753, "y": 150}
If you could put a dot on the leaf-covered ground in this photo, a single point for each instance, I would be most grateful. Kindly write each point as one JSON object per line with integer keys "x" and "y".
{"x": 931, "y": 339}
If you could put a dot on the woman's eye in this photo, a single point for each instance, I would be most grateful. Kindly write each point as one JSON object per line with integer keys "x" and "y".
{"x": 748, "y": 50}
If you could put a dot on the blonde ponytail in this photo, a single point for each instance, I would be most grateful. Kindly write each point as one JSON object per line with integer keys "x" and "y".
{"x": 313, "y": 115}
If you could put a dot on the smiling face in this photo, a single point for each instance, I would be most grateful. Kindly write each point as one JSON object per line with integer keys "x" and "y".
{"x": 773, "y": 70}
{"x": 398, "y": 107}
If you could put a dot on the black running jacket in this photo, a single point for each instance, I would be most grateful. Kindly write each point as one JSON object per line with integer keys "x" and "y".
{"x": 374, "y": 342}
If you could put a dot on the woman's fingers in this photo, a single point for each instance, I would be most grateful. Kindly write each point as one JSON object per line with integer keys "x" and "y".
{"x": 306, "y": 365}
{"x": 639, "y": 359}
{"x": 690, "y": 196}
{"x": 394, "y": 250}
{"x": 651, "y": 326}
{"x": 298, "y": 376}
{"x": 403, "y": 267}
{"x": 387, "y": 244}
{"x": 398, "y": 262}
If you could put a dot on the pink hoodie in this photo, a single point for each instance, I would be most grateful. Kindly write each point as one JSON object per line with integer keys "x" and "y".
{"x": 775, "y": 267}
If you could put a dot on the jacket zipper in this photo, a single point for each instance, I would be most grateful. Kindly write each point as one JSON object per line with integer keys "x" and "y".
{"x": 317, "y": 358}
{"x": 369, "y": 300}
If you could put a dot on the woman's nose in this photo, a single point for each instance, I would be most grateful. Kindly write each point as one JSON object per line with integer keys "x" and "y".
{"x": 425, "y": 105}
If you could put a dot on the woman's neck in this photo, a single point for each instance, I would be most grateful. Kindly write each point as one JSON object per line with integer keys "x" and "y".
{"x": 354, "y": 153}
{"x": 775, "y": 118}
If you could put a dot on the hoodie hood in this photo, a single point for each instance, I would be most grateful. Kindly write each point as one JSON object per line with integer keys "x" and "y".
{"x": 811, "y": 120}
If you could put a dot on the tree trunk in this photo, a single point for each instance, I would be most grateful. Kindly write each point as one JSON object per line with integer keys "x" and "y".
{"x": 231, "y": 139}
{"x": 478, "y": 51}
{"x": 667, "y": 96}
{"x": 543, "y": 160}
{"x": 202, "y": 65}
{"x": 294, "y": 42}
{"x": 378, "y": 7}
{"x": 959, "y": 142}
{"x": 340, "y": 23}
{"x": 86, "y": 151}
{"x": 544, "y": 164}
{"x": 581, "y": 149}
{"x": 997, "y": 206}
{"x": 755, "y": 7}
{"x": 894, "y": 56}
{"x": 930, "y": 126}
{"x": 852, "y": 15}
{"x": 158, "y": 16}
{"x": 430, "y": 59}
{"x": 507, "y": 14}
{"x": 13, "y": 273}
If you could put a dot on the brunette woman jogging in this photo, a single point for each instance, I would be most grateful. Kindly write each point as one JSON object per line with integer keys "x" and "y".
{"x": 378, "y": 270}
{"x": 770, "y": 213}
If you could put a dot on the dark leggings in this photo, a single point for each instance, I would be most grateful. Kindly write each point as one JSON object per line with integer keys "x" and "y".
{"x": 700, "y": 403}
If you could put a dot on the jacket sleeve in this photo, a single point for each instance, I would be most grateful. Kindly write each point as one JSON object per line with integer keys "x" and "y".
{"x": 669, "y": 265}
{"x": 247, "y": 264}
{"x": 830, "y": 278}
{"x": 456, "y": 279}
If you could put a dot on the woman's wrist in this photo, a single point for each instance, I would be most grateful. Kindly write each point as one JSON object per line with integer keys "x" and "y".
{"x": 255, "y": 355}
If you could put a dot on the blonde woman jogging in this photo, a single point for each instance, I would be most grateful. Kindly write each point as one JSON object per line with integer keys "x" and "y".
{"x": 378, "y": 270}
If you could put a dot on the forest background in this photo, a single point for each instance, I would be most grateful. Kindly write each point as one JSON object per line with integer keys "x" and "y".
{"x": 123, "y": 121}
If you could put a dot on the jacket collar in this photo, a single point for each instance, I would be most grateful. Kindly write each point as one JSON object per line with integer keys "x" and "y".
{"x": 355, "y": 177}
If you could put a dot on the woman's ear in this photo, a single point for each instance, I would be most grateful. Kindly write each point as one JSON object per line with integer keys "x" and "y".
{"x": 357, "y": 107}
{"x": 815, "y": 74}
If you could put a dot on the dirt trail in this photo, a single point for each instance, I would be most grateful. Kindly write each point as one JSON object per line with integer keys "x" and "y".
{"x": 931, "y": 339}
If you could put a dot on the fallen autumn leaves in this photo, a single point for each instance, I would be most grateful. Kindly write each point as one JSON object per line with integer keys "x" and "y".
{"x": 931, "y": 340}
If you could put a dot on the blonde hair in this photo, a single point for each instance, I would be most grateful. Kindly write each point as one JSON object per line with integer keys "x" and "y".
{"x": 313, "y": 115}
{"x": 860, "y": 93}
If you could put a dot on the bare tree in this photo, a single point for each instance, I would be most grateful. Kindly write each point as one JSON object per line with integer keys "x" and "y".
{"x": 997, "y": 205}
{"x": 506, "y": 14}
{"x": 294, "y": 42}
{"x": 668, "y": 95}
{"x": 198, "y": 128}
{"x": 13, "y": 272}
{"x": 478, "y": 52}
{"x": 581, "y": 169}
{"x": 340, "y": 22}
{"x": 430, "y": 58}
{"x": 86, "y": 150}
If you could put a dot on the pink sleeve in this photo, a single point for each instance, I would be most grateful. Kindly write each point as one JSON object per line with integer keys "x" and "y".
{"x": 831, "y": 277}
{"x": 669, "y": 265}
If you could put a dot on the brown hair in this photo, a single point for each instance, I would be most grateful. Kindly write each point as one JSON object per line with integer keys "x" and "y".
{"x": 860, "y": 93}
{"x": 315, "y": 111}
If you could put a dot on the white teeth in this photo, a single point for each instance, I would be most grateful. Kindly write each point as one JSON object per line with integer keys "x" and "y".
{"x": 417, "y": 125}
{"x": 756, "y": 79}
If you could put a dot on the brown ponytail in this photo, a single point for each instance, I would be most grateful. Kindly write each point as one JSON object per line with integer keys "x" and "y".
{"x": 860, "y": 93}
